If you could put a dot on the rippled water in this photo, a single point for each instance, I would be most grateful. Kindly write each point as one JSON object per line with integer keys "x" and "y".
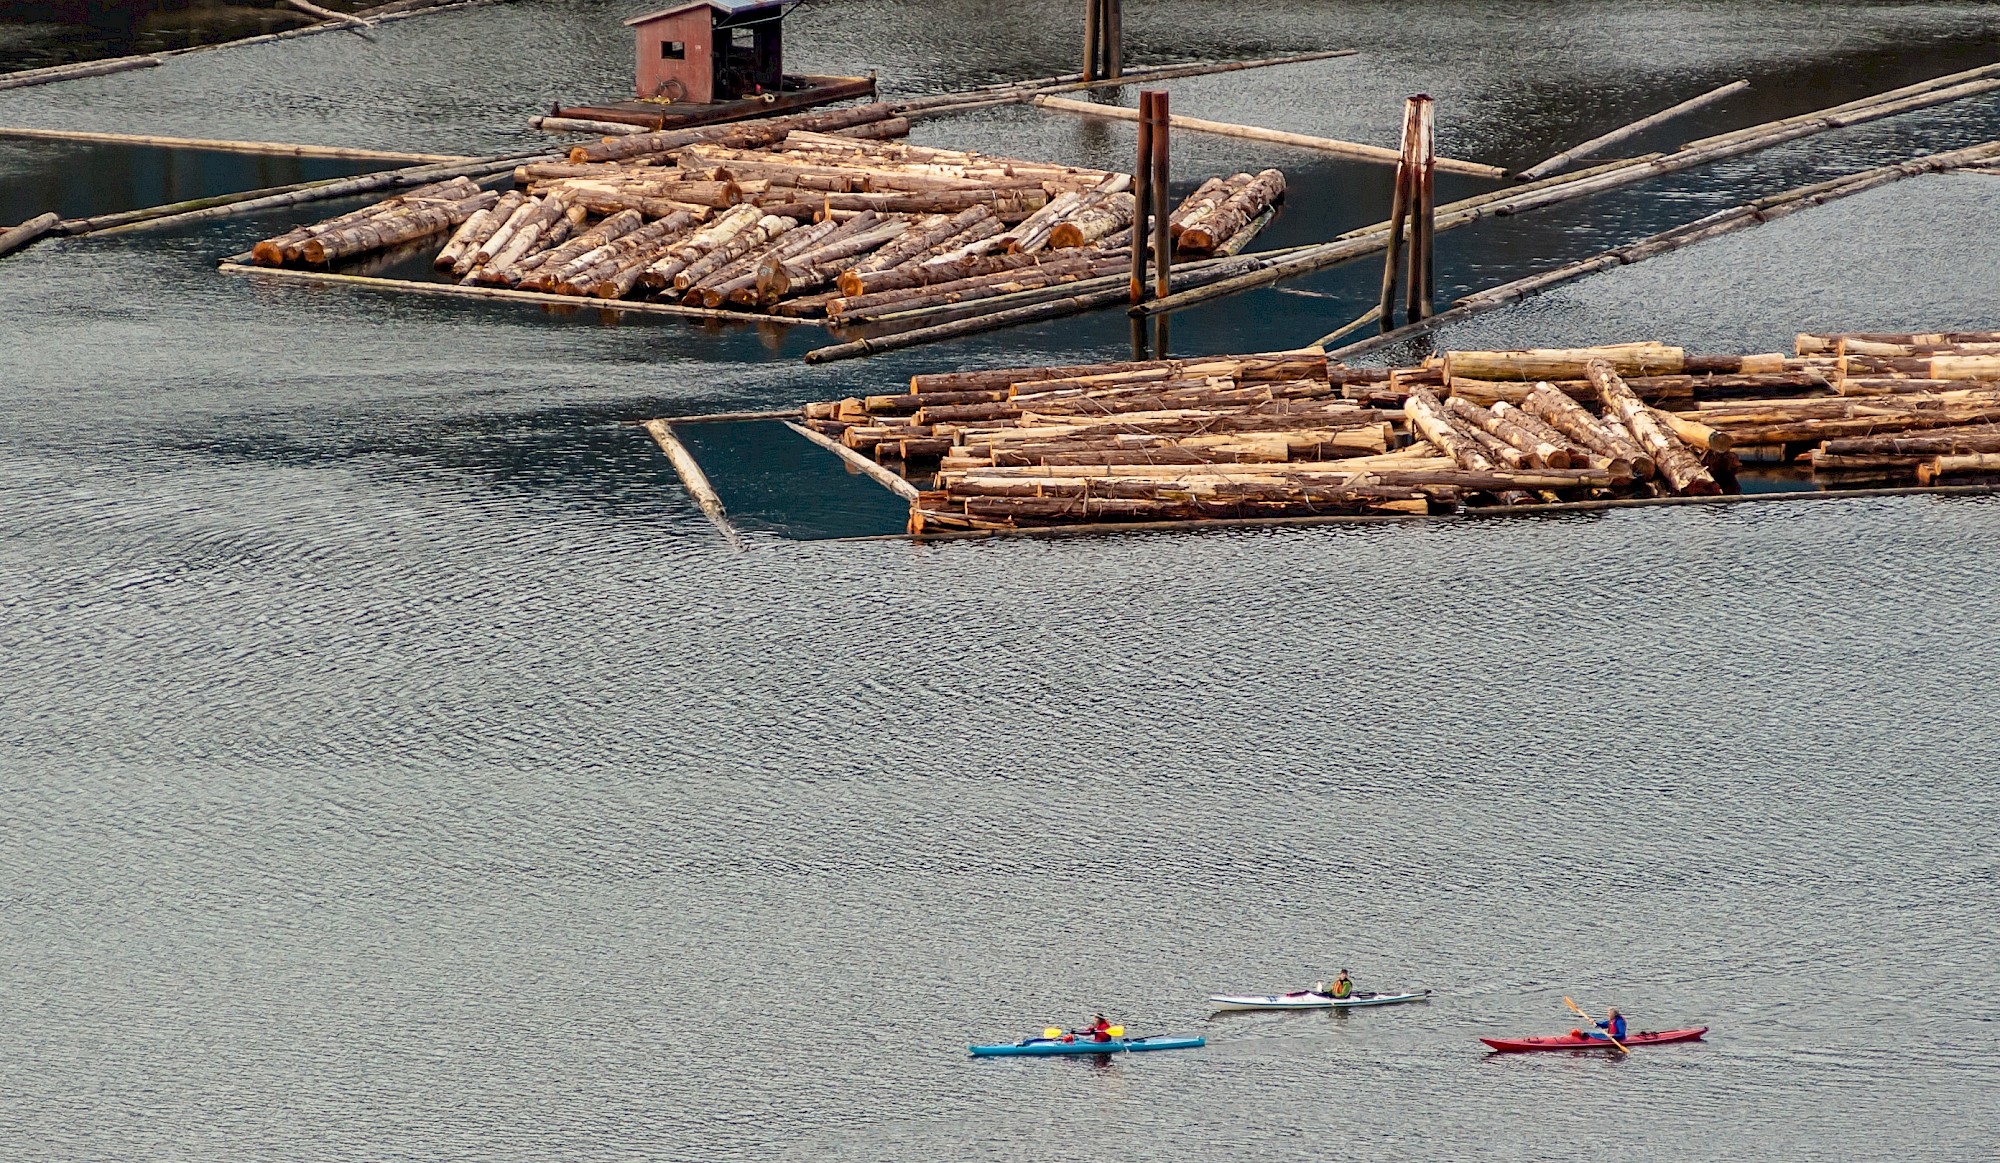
{"x": 398, "y": 767}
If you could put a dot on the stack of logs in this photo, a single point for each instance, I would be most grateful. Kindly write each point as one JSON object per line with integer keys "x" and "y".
{"x": 811, "y": 216}
{"x": 1287, "y": 434}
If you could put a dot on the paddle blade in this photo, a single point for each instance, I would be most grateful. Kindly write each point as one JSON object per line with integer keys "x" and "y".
{"x": 1116, "y": 1031}
{"x": 1051, "y": 1032}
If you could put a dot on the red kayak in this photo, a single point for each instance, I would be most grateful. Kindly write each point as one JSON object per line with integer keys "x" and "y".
{"x": 1575, "y": 1042}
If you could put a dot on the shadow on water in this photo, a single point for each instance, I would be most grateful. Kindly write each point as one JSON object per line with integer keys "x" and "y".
{"x": 81, "y": 179}
{"x": 38, "y": 33}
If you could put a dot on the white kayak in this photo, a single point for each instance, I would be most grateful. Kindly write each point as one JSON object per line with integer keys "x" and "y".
{"x": 1306, "y": 999}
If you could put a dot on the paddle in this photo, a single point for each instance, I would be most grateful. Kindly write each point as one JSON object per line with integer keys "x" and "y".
{"x": 1607, "y": 1029}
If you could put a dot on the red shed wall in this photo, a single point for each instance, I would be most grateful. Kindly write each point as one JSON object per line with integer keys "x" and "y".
{"x": 692, "y": 29}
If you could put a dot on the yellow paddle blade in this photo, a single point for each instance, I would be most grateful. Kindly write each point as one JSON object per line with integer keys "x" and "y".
{"x": 1116, "y": 1031}
{"x": 1051, "y": 1032}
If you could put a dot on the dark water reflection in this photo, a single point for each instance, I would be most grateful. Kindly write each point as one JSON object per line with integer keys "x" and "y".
{"x": 398, "y": 766}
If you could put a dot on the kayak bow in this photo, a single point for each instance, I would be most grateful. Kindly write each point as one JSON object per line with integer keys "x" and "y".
{"x": 1050, "y": 1047}
{"x": 1306, "y": 999}
{"x": 1568, "y": 1042}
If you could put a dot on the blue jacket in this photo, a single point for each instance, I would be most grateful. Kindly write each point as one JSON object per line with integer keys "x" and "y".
{"x": 1614, "y": 1026}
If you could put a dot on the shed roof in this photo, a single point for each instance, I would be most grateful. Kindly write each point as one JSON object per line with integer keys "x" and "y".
{"x": 730, "y": 9}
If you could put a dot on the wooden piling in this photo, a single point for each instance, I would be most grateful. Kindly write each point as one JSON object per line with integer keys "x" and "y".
{"x": 1423, "y": 213}
{"x": 1092, "y": 10}
{"x": 1142, "y": 204}
{"x": 1114, "y": 39}
{"x": 1163, "y": 246}
{"x": 1399, "y": 212}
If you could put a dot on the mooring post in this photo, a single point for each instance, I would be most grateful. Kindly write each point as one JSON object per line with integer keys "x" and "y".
{"x": 1114, "y": 38}
{"x": 1399, "y": 213}
{"x": 1142, "y": 198}
{"x": 1091, "y": 35}
{"x": 1163, "y": 246}
{"x": 1423, "y": 210}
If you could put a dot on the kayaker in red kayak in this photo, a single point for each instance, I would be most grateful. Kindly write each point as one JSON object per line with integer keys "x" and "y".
{"x": 1613, "y": 1024}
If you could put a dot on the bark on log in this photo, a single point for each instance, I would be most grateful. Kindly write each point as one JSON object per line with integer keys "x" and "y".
{"x": 766, "y": 132}
{"x": 1204, "y": 234}
{"x": 1955, "y": 442}
{"x": 1682, "y": 469}
{"x": 398, "y": 226}
{"x": 1811, "y": 343}
{"x": 1429, "y": 419}
{"x": 1541, "y": 452}
{"x": 678, "y": 258}
{"x": 757, "y": 235}
{"x": 557, "y": 261}
{"x": 1693, "y": 433}
{"x": 1640, "y": 359}
{"x": 476, "y": 229}
{"x": 918, "y": 237}
{"x": 1565, "y": 415}
{"x": 642, "y": 246}
{"x": 1098, "y": 219}
{"x": 528, "y": 230}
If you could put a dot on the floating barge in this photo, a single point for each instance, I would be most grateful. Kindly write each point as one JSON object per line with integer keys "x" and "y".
{"x": 710, "y": 61}
{"x": 1289, "y": 435}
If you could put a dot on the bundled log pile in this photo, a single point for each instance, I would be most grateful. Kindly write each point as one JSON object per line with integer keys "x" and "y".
{"x": 810, "y": 216}
{"x": 1286, "y": 434}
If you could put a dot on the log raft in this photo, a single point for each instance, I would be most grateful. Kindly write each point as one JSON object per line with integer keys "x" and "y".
{"x": 1292, "y": 436}
{"x": 787, "y": 218}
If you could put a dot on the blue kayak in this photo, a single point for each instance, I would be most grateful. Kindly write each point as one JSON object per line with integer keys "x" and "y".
{"x": 1047, "y": 1047}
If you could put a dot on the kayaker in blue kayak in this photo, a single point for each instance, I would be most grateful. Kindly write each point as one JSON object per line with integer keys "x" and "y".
{"x": 1098, "y": 1030}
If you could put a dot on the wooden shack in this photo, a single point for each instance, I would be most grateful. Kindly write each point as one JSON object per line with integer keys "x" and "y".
{"x": 715, "y": 60}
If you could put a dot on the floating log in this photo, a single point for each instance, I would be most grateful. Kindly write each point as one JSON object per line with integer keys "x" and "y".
{"x": 1954, "y": 442}
{"x": 354, "y": 23}
{"x": 1810, "y": 343}
{"x": 16, "y": 237}
{"x": 1947, "y": 466}
{"x": 641, "y": 247}
{"x": 27, "y": 77}
{"x": 684, "y": 254}
{"x": 221, "y": 145}
{"x": 1348, "y": 149}
{"x": 1605, "y": 141}
{"x": 584, "y": 125}
{"x": 696, "y": 480}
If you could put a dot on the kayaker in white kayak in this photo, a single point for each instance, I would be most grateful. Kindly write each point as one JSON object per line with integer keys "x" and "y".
{"x": 1341, "y": 989}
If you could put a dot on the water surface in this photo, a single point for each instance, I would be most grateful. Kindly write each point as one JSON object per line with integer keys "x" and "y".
{"x": 398, "y": 766}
